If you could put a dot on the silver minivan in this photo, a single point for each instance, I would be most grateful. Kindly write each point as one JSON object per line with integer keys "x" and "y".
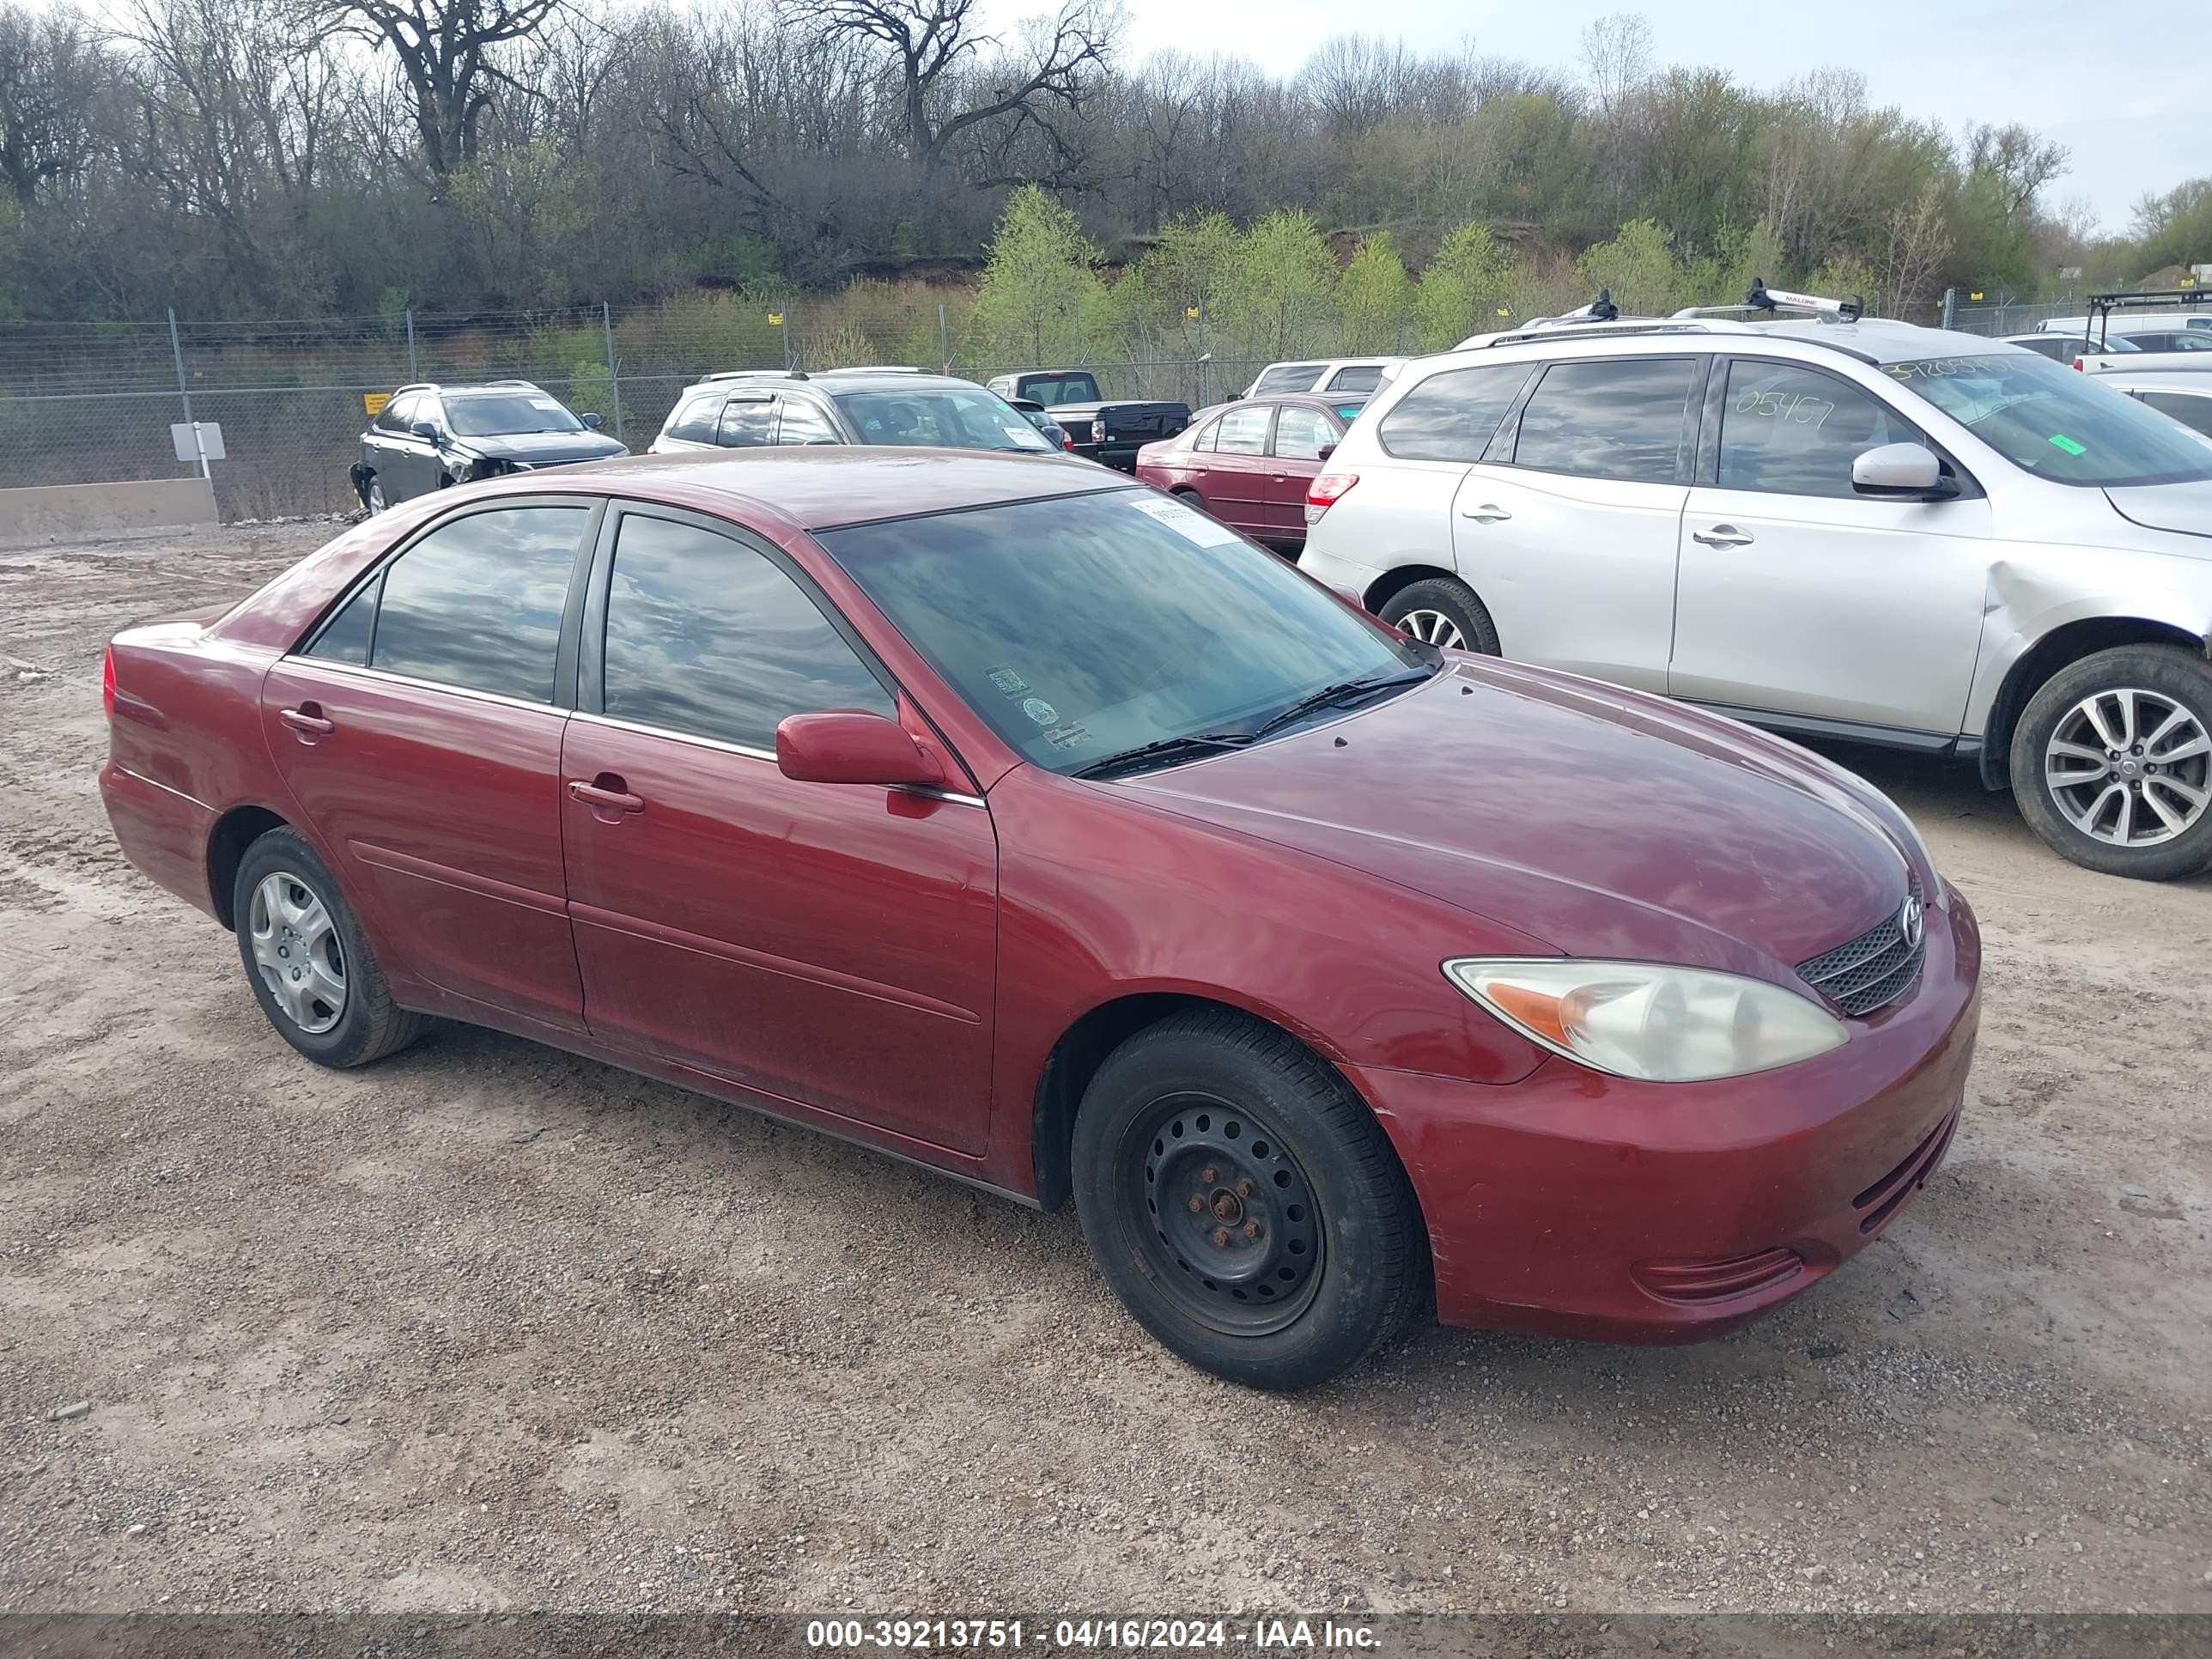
{"x": 1852, "y": 529}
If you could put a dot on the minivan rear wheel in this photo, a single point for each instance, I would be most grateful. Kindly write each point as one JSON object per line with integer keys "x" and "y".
{"x": 1443, "y": 611}
{"x": 2111, "y": 762}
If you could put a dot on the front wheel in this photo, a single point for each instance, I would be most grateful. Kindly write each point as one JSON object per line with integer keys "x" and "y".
{"x": 374, "y": 498}
{"x": 2111, "y": 762}
{"x": 1244, "y": 1205}
{"x": 1443, "y": 611}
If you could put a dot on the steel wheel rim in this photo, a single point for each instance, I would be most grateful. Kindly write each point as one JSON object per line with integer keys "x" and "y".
{"x": 297, "y": 951}
{"x": 376, "y": 496}
{"x": 2129, "y": 768}
{"x": 1433, "y": 628}
{"x": 1223, "y": 1213}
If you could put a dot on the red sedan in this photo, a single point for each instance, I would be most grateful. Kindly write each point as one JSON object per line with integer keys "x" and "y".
{"x": 999, "y": 813}
{"x": 1249, "y": 464}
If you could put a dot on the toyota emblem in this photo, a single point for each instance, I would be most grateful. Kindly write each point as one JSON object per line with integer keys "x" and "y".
{"x": 1910, "y": 924}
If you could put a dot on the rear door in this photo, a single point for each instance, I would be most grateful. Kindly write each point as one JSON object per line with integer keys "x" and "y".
{"x": 1300, "y": 434}
{"x": 1567, "y": 527}
{"x": 419, "y": 733}
{"x": 1799, "y": 596}
{"x": 1237, "y": 477}
{"x": 830, "y": 946}
{"x": 386, "y": 441}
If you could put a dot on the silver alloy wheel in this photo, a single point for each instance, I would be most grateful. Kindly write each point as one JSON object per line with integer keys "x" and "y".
{"x": 1433, "y": 628}
{"x": 2129, "y": 768}
{"x": 295, "y": 946}
{"x": 376, "y": 502}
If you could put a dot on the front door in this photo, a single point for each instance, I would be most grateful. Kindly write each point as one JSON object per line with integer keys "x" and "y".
{"x": 1798, "y": 596}
{"x": 832, "y": 945}
{"x": 419, "y": 733}
{"x": 1567, "y": 528}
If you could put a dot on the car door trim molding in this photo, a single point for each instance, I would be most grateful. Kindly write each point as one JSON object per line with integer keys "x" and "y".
{"x": 616, "y": 921}
{"x": 750, "y": 752}
{"x": 445, "y": 875}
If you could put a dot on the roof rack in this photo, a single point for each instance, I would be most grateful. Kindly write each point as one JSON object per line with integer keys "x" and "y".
{"x": 877, "y": 369}
{"x": 755, "y": 374}
{"x": 2102, "y": 306}
{"x": 1764, "y": 301}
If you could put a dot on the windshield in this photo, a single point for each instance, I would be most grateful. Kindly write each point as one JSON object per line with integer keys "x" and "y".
{"x": 493, "y": 415}
{"x": 1087, "y": 626}
{"x": 948, "y": 416}
{"x": 2056, "y": 423}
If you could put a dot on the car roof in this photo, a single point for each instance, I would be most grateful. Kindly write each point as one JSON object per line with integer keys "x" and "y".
{"x": 1871, "y": 340}
{"x": 820, "y": 488}
{"x": 462, "y": 388}
{"x": 837, "y": 380}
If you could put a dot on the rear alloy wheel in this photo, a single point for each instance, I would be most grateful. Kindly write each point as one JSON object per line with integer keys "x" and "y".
{"x": 309, "y": 963}
{"x": 1243, "y": 1204}
{"x": 1443, "y": 611}
{"x": 2111, "y": 762}
{"x": 375, "y": 501}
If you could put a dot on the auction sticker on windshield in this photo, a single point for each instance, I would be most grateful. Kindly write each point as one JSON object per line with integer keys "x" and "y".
{"x": 1027, "y": 436}
{"x": 1193, "y": 526}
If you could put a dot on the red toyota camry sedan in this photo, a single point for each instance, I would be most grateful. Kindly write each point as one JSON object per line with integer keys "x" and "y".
{"x": 1018, "y": 820}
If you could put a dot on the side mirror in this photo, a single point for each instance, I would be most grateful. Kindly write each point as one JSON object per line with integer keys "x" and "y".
{"x": 425, "y": 430}
{"x": 590, "y": 421}
{"x": 1902, "y": 472}
{"x": 1328, "y": 449}
{"x": 844, "y": 745}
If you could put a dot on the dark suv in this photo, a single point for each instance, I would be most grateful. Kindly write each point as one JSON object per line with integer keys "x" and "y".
{"x": 751, "y": 408}
{"x": 427, "y": 437}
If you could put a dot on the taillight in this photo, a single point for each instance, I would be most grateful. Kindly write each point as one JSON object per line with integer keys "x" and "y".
{"x": 2077, "y": 363}
{"x": 107, "y": 684}
{"x": 1324, "y": 492}
{"x": 1066, "y": 442}
{"x": 1098, "y": 432}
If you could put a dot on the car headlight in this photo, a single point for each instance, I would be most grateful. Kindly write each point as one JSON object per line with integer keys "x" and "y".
{"x": 1654, "y": 1024}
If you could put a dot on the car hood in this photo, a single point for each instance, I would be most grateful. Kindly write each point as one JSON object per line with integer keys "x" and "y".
{"x": 541, "y": 448}
{"x": 2184, "y": 507}
{"x": 1607, "y": 824}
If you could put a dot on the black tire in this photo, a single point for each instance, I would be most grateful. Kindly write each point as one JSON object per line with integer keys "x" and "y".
{"x": 1191, "y": 499}
{"x": 1325, "y": 1258}
{"x": 368, "y": 1024}
{"x": 2133, "y": 686}
{"x": 1451, "y": 600}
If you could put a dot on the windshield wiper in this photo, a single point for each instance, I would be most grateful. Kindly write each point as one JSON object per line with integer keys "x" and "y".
{"x": 1162, "y": 750}
{"x": 1344, "y": 691}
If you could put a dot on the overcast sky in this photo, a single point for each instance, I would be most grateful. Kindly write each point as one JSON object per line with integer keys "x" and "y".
{"x": 2135, "y": 118}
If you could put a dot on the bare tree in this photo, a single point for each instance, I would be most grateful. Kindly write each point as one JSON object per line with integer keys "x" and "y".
{"x": 2018, "y": 160}
{"x": 51, "y": 69}
{"x": 449, "y": 53}
{"x": 932, "y": 42}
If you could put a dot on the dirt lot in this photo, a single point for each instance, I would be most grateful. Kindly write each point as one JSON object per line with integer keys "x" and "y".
{"x": 489, "y": 1327}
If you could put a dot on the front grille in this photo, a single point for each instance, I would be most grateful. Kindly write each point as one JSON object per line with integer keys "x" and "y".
{"x": 1875, "y": 968}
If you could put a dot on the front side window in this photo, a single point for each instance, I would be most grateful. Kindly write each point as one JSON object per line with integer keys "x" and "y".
{"x": 1451, "y": 416}
{"x": 1185, "y": 628}
{"x": 506, "y": 414}
{"x": 1357, "y": 377}
{"x": 2057, "y": 423}
{"x": 1300, "y": 433}
{"x": 694, "y": 422}
{"x": 800, "y": 423}
{"x": 1615, "y": 417}
{"x": 2192, "y": 410}
{"x": 747, "y": 423}
{"x": 397, "y": 412}
{"x": 1795, "y": 431}
{"x": 478, "y": 602}
{"x": 708, "y": 637}
{"x": 1289, "y": 377}
{"x": 1243, "y": 432}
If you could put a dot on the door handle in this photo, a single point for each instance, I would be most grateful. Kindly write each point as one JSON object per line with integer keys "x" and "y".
{"x": 596, "y": 794}
{"x": 1488, "y": 512}
{"x": 1721, "y": 535}
{"x": 308, "y": 720}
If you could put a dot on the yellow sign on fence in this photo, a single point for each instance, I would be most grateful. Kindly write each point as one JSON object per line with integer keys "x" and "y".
{"x": 1190, "y": 313}
{"x": 373, "y": 402}
{"x": 775, "y": 319}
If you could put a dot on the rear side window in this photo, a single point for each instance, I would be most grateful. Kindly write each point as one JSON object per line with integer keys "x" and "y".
{"x": 1795, "y": 431}
{"x": 1451, "y": 416}
{"x": 694, "y": 421}
{"x": 1243, "y": 432}
{"x": 708, "y": 637}
{"x": 1289, "y": 377}
{"x": 345, "y": 637}
{"x": 800, "y": 423}
{"x": 1619, "y": 418}
{"x": 2192, "y": 411}
{"x": 1359, "y": 377}
{"x": 478, "y": 602}
{"x": 1206, "y": 434}
{"x": 747, "y": 423}
{"x": 1300, "y": 433}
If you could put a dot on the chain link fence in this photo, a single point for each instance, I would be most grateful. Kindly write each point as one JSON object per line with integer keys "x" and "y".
{"x": 94, "y": 403}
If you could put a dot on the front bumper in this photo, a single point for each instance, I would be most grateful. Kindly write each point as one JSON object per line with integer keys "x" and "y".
{"x": 1575, "y": 1204}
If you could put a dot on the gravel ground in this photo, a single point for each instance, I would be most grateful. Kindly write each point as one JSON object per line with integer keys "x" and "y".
{"x": 489, "y": 1327}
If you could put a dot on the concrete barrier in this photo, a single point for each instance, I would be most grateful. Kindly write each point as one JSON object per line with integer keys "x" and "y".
{"x": 69, "y": 513}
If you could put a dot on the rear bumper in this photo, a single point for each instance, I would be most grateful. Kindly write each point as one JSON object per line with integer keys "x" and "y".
{"x": 1573, "y": 1204}
{"x": 163, "y": 832}
{"x": 1120, "y": 454}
